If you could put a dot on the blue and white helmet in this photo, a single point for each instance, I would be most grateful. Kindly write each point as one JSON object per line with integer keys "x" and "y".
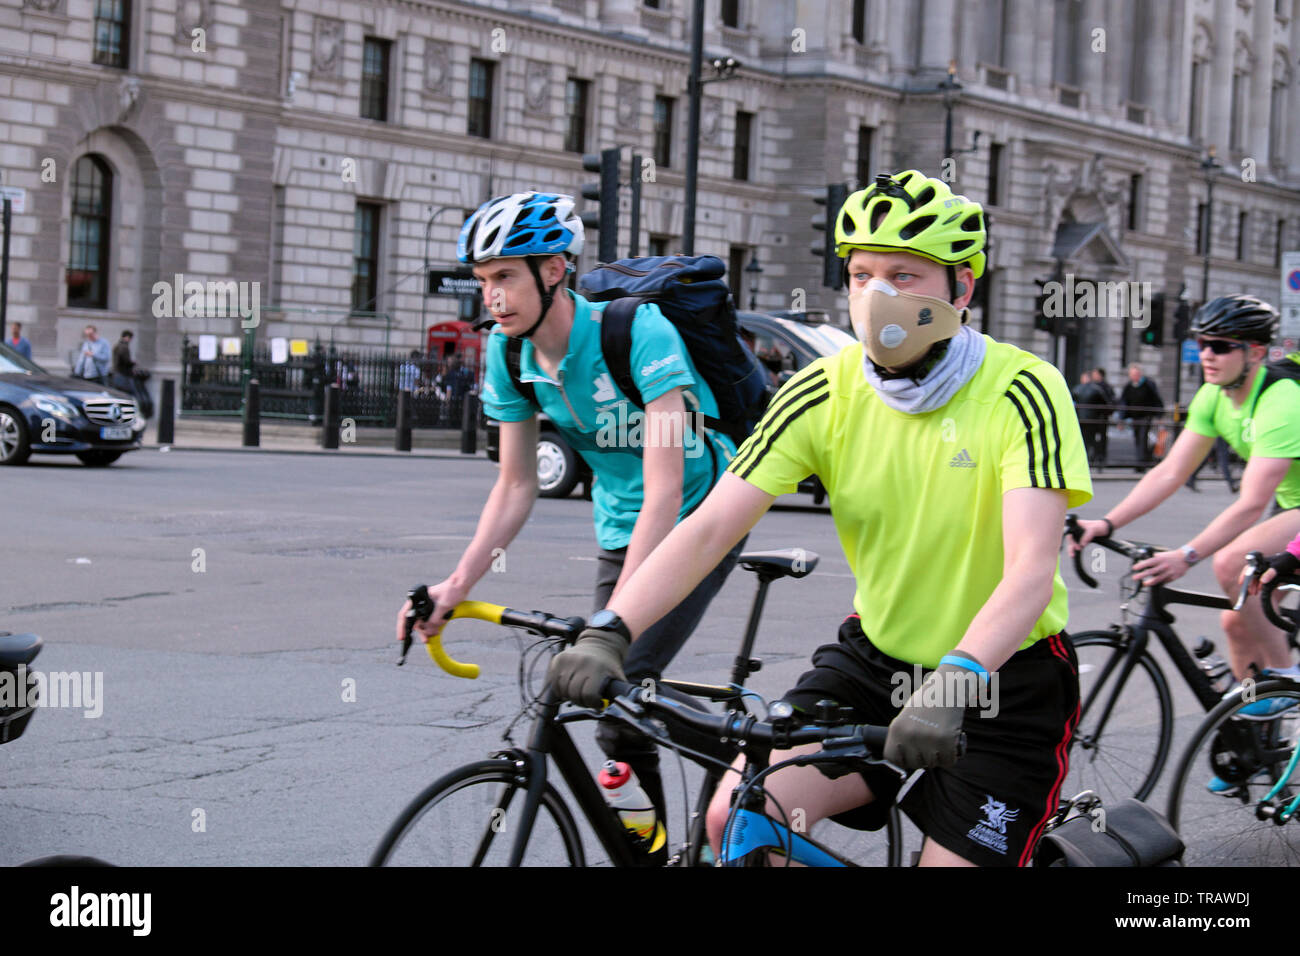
{"x": 522, "y": 224}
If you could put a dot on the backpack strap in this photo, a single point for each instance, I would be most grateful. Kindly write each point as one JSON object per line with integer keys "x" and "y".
{"x": 616, "y": 345}
{"x": 514, "y": 350}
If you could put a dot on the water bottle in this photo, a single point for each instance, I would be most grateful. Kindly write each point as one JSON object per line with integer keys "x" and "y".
{"x": 623, "y": 792}
{"x": 1214, "y": 667}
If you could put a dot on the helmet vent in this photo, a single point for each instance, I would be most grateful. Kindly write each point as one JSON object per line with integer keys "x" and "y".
{"x": 961, "y": 244}
{"x": 925, "y": 196}
{"x": 847, "y": 222}
{"x": 972, "y": 224}
{"x": 879, "y": 211}
{"x": 916, "y": 226}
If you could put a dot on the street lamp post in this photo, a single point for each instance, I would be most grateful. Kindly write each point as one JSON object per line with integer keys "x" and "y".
{"x": 424, "y": 290}
{"x": 724, "y": 68}
{"x": 753, "y": 270}
{"x": 951, "y": 89}
{"x": 1210, "y": 168}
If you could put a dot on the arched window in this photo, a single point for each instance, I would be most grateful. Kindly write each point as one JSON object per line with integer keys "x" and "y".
{"x": 92, "y": 201}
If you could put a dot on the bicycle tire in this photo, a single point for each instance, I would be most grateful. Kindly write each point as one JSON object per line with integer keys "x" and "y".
{"x": 1128, "y": 759}
{"x": 1227, "y": 830}
{"x": 466, "y": 818}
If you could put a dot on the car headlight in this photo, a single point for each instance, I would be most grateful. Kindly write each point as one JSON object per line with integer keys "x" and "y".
{"x": 52, "y": 406}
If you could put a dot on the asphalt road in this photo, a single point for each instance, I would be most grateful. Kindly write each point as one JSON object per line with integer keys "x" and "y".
{"x": 240, "y": 609}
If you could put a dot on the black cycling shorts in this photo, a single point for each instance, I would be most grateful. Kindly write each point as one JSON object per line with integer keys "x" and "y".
{"x": 991, "y": 806}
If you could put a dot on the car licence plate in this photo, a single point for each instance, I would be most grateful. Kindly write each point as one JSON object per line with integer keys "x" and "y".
{"x": 115, "y": 432}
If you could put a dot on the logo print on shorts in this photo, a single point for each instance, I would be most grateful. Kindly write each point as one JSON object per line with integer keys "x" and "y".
{"x": 991, "y": 832}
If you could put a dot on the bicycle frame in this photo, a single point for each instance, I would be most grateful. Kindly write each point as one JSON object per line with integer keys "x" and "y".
{"x": 1156, "y": 619}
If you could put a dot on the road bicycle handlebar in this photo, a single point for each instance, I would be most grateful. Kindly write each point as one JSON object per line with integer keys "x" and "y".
{"x": 1130, "y": 550}
{"x": 1257, "y": 564}
{"x": 538, "y": 622}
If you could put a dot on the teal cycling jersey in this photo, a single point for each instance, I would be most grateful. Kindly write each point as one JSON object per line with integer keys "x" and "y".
{"x": 1267, "y": 425}
{"x": 602, "y": 424}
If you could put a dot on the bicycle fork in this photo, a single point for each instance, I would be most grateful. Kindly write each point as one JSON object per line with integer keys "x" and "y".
{"x": 1134, "y": 650}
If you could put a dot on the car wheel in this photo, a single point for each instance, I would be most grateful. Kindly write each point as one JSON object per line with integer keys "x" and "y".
{"x": 98, "y": 459}
{"x": 15, "y": 446}
{"x": 557, "y": 467}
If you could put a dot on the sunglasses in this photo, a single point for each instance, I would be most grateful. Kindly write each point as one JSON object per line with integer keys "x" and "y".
{"x": 1218, "y": 346}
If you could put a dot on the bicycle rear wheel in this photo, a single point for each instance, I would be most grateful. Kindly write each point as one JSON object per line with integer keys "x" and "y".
{"x": 1126, "y": 758}
{"x": 1248, "y": 756}
{"x": 470, "y": 817}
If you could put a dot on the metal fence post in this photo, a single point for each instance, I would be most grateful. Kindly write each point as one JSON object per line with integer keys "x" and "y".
{"x": 330, "y": 435}
{"x": 253, "y": 414}
{"x": 469, "y": 424}
{"x": 167, "y": 412}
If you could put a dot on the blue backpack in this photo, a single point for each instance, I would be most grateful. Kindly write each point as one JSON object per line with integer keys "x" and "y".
{"x": 692, "y": 295}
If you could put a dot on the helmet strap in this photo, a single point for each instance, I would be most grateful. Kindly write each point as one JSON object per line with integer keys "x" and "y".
{"x": 1247, "y": 370}
{"x": 547, "y": 295}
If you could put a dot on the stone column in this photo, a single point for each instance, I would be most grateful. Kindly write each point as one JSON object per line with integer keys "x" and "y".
{"x": 1019, "y": 43}
{"x": 1092, "y": 72}
{"x": 1260, "y": 99}
{"x": 1218, "y": 99}
{"x": 938, "y": 36}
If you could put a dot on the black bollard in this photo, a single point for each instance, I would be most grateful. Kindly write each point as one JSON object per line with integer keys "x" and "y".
{"x": 330, "y": 435}
{"x": 253, "y": 415}
{"x": 469, "y": 424}
{"x": 167, "y": 412}
{"x": 402, "y": 442}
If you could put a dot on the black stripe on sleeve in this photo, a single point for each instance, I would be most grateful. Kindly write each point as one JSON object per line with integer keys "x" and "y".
{"x": 1031, "y": 402}
{"x": 1056, "y": 432}
{"x": 1029, "y": 438}
{"x": 767, "y": 445}
{"x": 797, "y": 391}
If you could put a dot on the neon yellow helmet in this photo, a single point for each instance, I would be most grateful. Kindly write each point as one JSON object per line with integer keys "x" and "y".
{"x": 922, "y": 216}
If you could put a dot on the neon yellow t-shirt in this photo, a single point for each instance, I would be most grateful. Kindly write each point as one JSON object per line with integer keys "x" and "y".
{"x": 1266, "y": 426}
{"x": 917, "y": 499}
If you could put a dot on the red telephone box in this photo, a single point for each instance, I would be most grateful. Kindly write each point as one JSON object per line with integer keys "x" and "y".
{"x": 456, "y": 339}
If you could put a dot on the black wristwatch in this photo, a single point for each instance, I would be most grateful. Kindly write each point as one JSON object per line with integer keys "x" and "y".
{"x": 607, "y": 620}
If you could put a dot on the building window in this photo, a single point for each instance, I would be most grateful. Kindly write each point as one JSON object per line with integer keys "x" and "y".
{"x": 865, "y": 135}
{"x": 995, "y": 174}
{"x": 652, "y": 4}
{"x": 91, "y": 230}
{"x": 1241, "y": 235}
{"x": 860, "y": 20}
{"x": 374, "y": 79}
{"x": 480, "y": 98}
{"x": 744, "y": 134}
{"x": 1278, "y": 242}
{"x": 659, "y": 245}
{"x": 1135, "y": 201}
{"x": 1277, "y": 124}
{"x": 112, "y": 32}
{"x": 1202, "y": 233}
{"x": 1237, "y": 117}
{"x": 736, "y": 261}
{"x": 365, "y": 257}
{"x": 1196, "y": 99}
{"x": 576, "y": 95}
{"x": 663, "y": 131}
{"x": 731, "y": 14}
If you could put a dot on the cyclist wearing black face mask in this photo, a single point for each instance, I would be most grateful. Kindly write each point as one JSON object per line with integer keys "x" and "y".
{"x": 1257, "y": 411}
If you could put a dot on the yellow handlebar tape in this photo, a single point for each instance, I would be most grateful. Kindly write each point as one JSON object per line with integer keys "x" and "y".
{"x": 479, "y": 610}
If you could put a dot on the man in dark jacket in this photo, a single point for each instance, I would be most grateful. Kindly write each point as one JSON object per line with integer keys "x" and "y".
{"x": 1088, "y": 398}
{"x": 1141, "y": 403}
{"x": 123, "y": 375}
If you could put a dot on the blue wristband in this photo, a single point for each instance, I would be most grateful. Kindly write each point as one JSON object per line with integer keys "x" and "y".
{"x": 967, "y": 663}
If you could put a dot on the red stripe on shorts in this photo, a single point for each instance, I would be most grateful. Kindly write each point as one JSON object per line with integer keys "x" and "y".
{"x": 1062, "y": 764}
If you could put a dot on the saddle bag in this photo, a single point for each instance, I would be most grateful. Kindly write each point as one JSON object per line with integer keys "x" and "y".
{"x": 1127, "y": 834}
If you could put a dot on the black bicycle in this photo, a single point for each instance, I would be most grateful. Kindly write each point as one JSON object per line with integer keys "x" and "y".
{"x": 1236, "y": 791}
{"x": 507, "y": 810}
{"x": 1125, "y": 731}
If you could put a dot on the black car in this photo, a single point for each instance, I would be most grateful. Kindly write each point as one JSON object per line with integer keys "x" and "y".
{"x": 784, "y": 343}
{"x": 56, "y": 415}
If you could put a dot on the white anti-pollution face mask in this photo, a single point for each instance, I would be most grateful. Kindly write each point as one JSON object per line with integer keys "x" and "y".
{"x": 897, "y": 328}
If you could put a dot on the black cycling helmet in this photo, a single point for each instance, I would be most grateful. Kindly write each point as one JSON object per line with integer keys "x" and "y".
{"x": 1242, "y": 317}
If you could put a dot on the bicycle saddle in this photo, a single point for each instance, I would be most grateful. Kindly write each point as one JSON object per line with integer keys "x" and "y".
{"x": 791, "y": 562}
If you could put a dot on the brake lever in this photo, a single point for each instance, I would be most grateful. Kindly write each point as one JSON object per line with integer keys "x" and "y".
{"x": 1257, "y": 566}
{"x": 420, "y": 610}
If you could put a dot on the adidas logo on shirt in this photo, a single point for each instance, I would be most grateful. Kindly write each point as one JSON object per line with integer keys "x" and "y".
{"x": 962, "y": 460}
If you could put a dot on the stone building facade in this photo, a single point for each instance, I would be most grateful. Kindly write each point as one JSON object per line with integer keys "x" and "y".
{"x": 324, "y": 149}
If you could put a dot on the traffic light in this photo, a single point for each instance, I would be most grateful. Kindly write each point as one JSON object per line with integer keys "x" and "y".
{"x": 824, "y": 222}
{"x": 605, "y": 192}
{"x": 1042, "y": 321}
{"x": 1154, "y": 333}
{"x": 1182, "y": 320}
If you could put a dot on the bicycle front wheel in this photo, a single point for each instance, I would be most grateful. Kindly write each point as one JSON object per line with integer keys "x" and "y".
{"x": 471, "y": 817}
{"x": 1223, "y": 802}
{"x": 1123, "y": 759}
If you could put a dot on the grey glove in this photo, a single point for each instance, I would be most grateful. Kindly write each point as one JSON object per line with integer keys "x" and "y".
{"x": 579, "y": 673}
{"x": 926, "y": 731}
